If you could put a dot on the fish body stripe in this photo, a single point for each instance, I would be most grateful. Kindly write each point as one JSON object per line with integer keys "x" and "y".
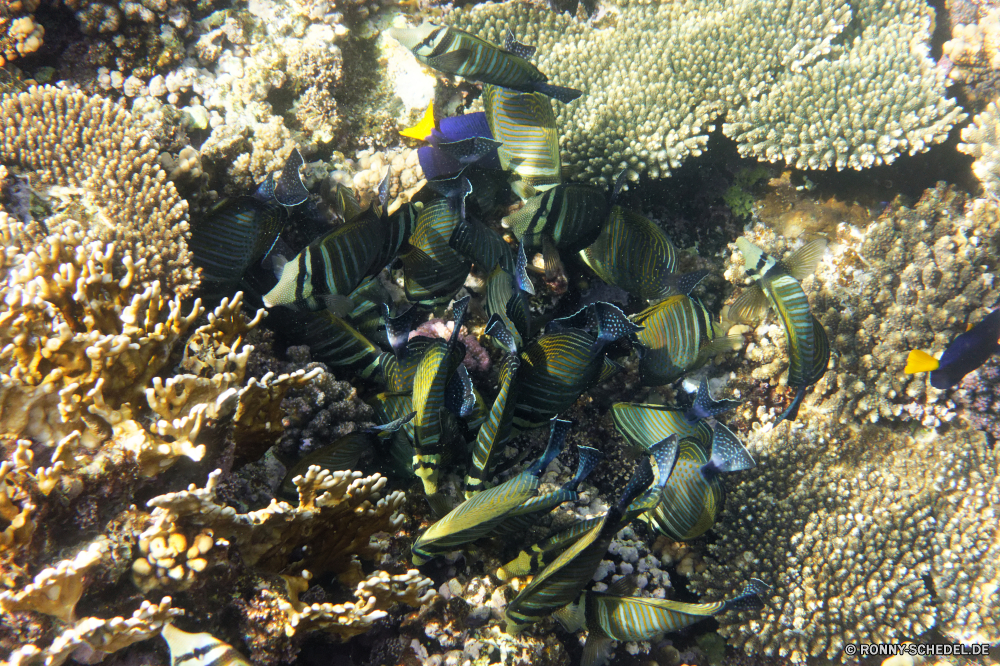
{"x": 484, "y": 61}
{"x": 673, "y": 332}
{"x": 790, "y": 302}
{"x": 632, "y": 253}
{"x": 434, "y": 371}
{"x": 570, "y": 214}
{"x": 646, "y": 425}
{"x": 432, "y": 270}
{"x": 495, "y": 431}
{"x": 689, "y": 503}
{"x": 524, "y": 517}
{"x": 531, "y": 560}
{"x": 639, "y": 619}
{"x": 336, "y": 343}
{"x": 526, "y": 127}
{"x": 556, "y": 369}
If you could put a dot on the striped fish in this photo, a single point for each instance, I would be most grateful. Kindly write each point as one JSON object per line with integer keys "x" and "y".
{"x": 646, "y": 425}
{"x": 432, "y": 270}
{"x": 199, "y": 649}
{"x": 456, "y": 52}
{"x": 556, "y": 369}
{"x": 336, "y": 263}
{"x": 526, "y": 127}
{"x": 777, "y": 284}
{"x": 483, "y": 246}
{"x": 389, "y": 407}
{"x": 236, "y": 233}
{"x": 337, "y": 343}
{"x": 615, "y": 616}
{"x": 570, "y": 215}
{"x": 687, "y": 506}
{"x": 524, "y": 517}
{"x": 438, "y": 364}
{"x": 562, "y": 581}
{"x": 400, "y": 369}
{"x": 495, "y": 431}
{"x": 477, "y": 516}
{"x": 536, "y": 557}
{"x": 679, "y": 336}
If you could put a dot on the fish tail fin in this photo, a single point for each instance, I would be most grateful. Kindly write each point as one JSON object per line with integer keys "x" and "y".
{"x": 398, "y": 328}
{"x": 637, "y": 485}
{"x": 728, "y": 453}
{"x": 665, "y": 454}
{"x": 387, "y": 429}
{"x": 290, "y": 190}
{"x": 751, "y": 598}
{"x": 422, "y": 130}
{"x": 920, "y": 361}
{"x": 497, "y": 329}
{"x": 596, "y": 651}
{"x": 589, "y": 457}
{"x": 383, "y": 191}
{"x": 519, "y": 49}
{"x": 458, "y": 310}
{"x": 573, "y": 616}
{"x": 752, "y": 255}
{"x": 684, "y": 283}
{"x": 557, "y": 436}
{"x": 792, "y": 412}
{"x": 705, "y": 407}
{"x": 558, "y": 93}
{"x": 521, "y": 279}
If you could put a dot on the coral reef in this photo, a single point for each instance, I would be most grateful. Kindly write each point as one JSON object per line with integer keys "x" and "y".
{"x": 846, "y": 523}
{"x": 913, "y": 279}
{"x": 979, "y": 139}
{"x": 824, "y": 58}
{"x": 972, "y": 55}
{"x": 979, "y": 399}
{"x": 19, "y": 33}
{"x": 97, "y": 167}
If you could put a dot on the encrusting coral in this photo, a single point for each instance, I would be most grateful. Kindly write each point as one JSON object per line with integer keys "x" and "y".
{"x": 846, "y": 524}
{"x": 818, "y": 85}
{"x": 19, "y": 33}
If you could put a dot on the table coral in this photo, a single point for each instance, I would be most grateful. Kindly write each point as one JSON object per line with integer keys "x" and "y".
{"x": 818, "y": 85}
{"x": 847, "y": 523}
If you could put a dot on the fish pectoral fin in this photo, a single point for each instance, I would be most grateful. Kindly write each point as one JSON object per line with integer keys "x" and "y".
{"x": 750, "y": 307}
{"x": 920, "y": 361}
{"x": 451, "y": 61}
{"x": 596, "y": 651}
{"x": 803, "y": 261}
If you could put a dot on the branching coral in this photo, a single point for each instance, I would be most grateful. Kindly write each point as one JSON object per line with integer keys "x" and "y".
{"x": 816, "y": 84}
{"x": 98, "y": 168}
{"x": 19, "y": 33}
{"x": 980, "y": 140}
{"x": 845, "y": 523}
{"x": 973, "y": 52}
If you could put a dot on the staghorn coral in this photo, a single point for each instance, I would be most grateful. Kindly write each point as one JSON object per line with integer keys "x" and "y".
{"x": 98, "y": 168}
{"x": 845, "y": 523}
{"x": 980, "y": 140}
{"x": 913, "y": 279}
{"x": 818, "y": 85}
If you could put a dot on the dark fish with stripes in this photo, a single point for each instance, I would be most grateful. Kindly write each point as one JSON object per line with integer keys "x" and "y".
{"x": 479, "y": 515}
{"x": 435, "y": 370}
{"x": 432, "y": 270}
{"x": 343, "y": 453}
{"x": 389, "y": 407}
{"x": 507, "y": 302}
{"x": 525, "y": 126}
{"x": 199, "y": 649}
{"x": 646, "y": 425}
{"x": 966, "y": 353}
{"x": 456, "y": 52}
{"x": 613, "y": 615}
{"x": 338, "y": 262}
{"x": 495, "y": 431}
{"x": 524, "y": 517}
{"x": 679, "y": 336}
{"x": 605, "y": 320}
{"x": 687, "y": 505}
{"x": 562, "y": 581}
{"x": 777, "y": 285}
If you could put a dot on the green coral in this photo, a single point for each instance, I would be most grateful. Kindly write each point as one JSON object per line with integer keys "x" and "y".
{"x": 739, "y": 197}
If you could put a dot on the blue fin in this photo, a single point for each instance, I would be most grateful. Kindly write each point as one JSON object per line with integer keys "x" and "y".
{"x": 704, "y": 406}
{"x": 589, "y": 457}
{"x": 521, "y": 279}
{"x": 751, "y": 598}
{"x": 469, "y": 151}
{"x": 612, "y": 323}
{"x": 383, "y": 190}
{"x": 502, "y": 336}
{"x": 398, "y": 328}
{"x": 559, "y": 93}
{"x": 387, "y": 429}
{"x": 458, "y": 310}
{"x": 637, "y": 485}
{"x": 728, "y": 453}
{"x": 460, "y": 397}
{"x": 684, "y": 283}
{"x": 793, "y": 409}
{"x": 511, "y": 44}
{"x": 665, "y": 454}
{"x": 289, "y": 190}
{"x": 265, "y": 191}
{"x": 557, "y": 436}
{"x": 455, "y": 189}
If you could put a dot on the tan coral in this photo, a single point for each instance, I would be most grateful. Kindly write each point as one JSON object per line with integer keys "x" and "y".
{"x": 56, "y": 590}
{"x": 99, "y": 165}
{"x": 980, "y": 140}
{"x": 173, "y": 561}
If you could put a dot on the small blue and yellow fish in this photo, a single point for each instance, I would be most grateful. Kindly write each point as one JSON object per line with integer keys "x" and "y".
{"x": 777, "y": 285}
{"x": 966, "y": 353}
{"x": 679, "y": 336}
{"x": 199, "y": 649}
{"x": 525, "y": 126}
{"x": 454, "y": 51}
{"x": 615, "y": 616}
{"x": 562, "y": 581}
{"x": 456, "y": 142}
{"x": 479, "y": 515}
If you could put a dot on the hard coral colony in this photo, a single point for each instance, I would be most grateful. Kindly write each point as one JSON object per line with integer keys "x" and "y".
{"x": 367, "y": 332}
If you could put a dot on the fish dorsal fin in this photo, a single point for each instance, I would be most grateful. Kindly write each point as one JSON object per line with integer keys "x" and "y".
{"x": 597, "y": 650}
{"x": 470, "y": 150}
{"x": 460, "y": 397}
{"x": 422, "y": 130}
{"x": 804, "y": 260}
{"x": 752, "y": 597}
{"x": 265, "y": 190}
{"x": 665, "y": 454}
{"x": 497, "y": 329}
{"x": 511, "y": 44}
{"x": 289, "y": 190}
{"x": 458, "y": 310}
{"x": 521, "y": 279}
{"x": 383, "y": 191}
{"x": 920, "y": 361}
{"x": 750, "y": 307}
{"x": 728, "y": 452}
{"x": 623, "y": 587}
{"x": 346, "y": 203}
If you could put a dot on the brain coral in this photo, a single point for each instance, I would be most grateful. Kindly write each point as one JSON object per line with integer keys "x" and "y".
{"x": 97, "y": 167}
{"x": 847, "y": 523}
{"x": 817, "y": 84}
{"x": 912, "y": 279}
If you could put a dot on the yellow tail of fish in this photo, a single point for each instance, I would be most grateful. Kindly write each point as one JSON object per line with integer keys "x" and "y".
{"x": 423, "y": 129}
{"x": 920, "y": 361}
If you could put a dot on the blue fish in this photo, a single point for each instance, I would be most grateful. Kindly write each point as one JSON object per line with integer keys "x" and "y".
{"x": 966, "y": 353}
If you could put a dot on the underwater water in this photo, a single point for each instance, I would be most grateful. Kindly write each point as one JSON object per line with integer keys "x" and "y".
{"x": 617, "y": 332}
